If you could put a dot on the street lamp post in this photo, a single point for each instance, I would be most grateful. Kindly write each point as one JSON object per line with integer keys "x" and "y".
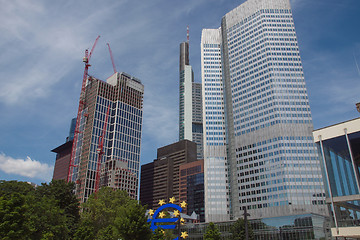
{"x": 246, "y": 223}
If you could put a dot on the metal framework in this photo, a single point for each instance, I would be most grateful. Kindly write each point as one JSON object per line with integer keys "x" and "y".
{"x": 100, "y": 151}
{"x": 86, "y": 60}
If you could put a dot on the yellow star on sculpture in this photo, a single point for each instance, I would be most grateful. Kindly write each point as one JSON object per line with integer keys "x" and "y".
{"x": 161, "y": 214}
{"x": 184, "y": 235}
{"x": 151, "y": 212}
{"x": 176, "y": 213}
{"x": 183, "y": 204}
{"x": 171, "y": 200}
{"x": 161, "y": 202}
{"x": 182, "y": 221}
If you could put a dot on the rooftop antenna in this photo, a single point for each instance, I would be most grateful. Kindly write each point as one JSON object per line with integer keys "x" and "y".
{"x": 187, "y": 34}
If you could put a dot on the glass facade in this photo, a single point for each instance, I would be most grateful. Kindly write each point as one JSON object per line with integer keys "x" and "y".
{"x": 339, "y": 148}
{"x": 257, "y": 119}
{"x": 217, "y": 194}
{"x": 296, "y": 227}
{"x": 116, "y": 104}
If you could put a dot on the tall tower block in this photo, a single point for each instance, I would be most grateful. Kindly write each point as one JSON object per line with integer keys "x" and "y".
{"x": 258, "y": 142}
{"x": 123, "y": 95}
{"x": 190, "y": 102}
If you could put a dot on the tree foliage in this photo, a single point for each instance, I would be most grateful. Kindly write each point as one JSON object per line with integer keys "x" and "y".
{"x": 238, "y": 230}
{"x": 51, "y": 211}
{"x": 37, "y": 213}
{"x": 62, "y": 192}
{"x": 45, "y": 220}
{"x": 111, "y": 214}
{"x": 163, "y": 234}
{"x": 12, "y": 222}
{"x": 212, "y": 232}
{"x": 132, "y": 222}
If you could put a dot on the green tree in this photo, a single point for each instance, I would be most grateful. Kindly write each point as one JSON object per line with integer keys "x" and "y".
{"x": 12, "y": 221}
{"x": 13, "y": 206}
{"x": 159, "y": 234}
{"x": 47, "y": 212}
{"x": 85, "y": 230}
{"x": 132, "y": 222}
{"x": 238, "y": 230}
{"x": 66, "y": 200}
{"x": 163, "y": 234}
{"x": 8, "y": 188}
{"x": 212, "y": 232}
{"x": 44, "y": 219}
{"x": 111, "y": 214}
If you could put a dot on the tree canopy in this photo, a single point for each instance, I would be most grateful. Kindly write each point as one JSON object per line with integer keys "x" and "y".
{"x": 238, "y": 230}
{"x": 111, "y": 214}
{"x": 49, "y": 211}
{"x": 212, "y": 232}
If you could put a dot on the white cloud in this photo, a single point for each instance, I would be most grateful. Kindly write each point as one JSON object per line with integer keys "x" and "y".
{"x": 26, "y": 167}
{"x": 39, "y": 48}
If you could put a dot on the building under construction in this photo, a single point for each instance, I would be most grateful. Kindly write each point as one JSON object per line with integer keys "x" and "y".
{"x": 106, "y": 147}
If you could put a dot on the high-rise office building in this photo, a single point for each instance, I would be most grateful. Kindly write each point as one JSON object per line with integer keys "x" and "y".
{"x": 116, "y": 104}
{"x": 258, "y": 145}
{"x": 160, "y": 179}
{"x": 190, "y": 102}
{"x": 63, "y": 155}
{"x": 192, "y": 188}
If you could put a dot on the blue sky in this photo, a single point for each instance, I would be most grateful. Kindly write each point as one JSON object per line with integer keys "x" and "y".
{"x": 42, "y": 44}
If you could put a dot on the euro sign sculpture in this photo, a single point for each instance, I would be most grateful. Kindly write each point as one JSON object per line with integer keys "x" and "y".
{"x": 171, "y": 221}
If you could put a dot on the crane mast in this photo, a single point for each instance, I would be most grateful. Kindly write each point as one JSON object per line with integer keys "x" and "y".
{"x": 112, "y": 58}
{"x": 86, "y": 60}
{"x": 100, "y": 151}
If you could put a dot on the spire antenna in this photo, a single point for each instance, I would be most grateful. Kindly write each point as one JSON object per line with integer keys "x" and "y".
{"x": 187, "y": 34}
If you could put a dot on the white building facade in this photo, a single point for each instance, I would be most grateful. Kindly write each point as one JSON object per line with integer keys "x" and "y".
{"x": 190, "y": 103}
{"x": 258, "y": 145}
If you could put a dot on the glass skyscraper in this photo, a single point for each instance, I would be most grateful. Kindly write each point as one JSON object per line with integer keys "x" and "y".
{"x": 258, "y": 146}
{"x": 190, "y": 103}
{"x": 119, "y": 101}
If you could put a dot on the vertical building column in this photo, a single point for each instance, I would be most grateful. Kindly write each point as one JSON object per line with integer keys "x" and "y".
{"x": 328, "y": 183}
{"x": 356, "y": 174}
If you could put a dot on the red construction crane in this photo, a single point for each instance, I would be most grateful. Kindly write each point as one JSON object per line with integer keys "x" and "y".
{"x": 112, "y": 58}
{"x": 86, "y": 60}
{"x": 100, "y": 151}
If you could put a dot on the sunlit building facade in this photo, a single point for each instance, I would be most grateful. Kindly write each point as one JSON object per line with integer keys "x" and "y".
{"x": 339, "y": 148}
{"x": 115, "y": 174}
{"x": 192, "y": 188}
{"x": 63, "y": 155}
{"x": 190, "y": 103}
{"x": 113, "y": 110}
{"x": 160, "y": 179}
{"x": 258, "y": 145}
